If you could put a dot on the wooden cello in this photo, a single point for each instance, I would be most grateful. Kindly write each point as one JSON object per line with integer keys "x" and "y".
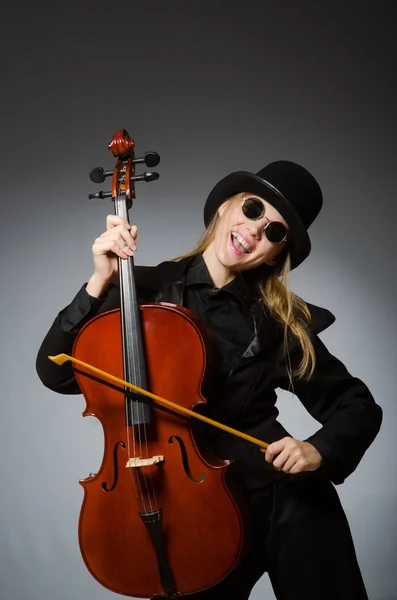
{"x": 157, "y": 520}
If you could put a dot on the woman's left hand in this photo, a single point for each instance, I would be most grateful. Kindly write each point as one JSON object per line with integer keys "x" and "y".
{"x": 292, "y": 456}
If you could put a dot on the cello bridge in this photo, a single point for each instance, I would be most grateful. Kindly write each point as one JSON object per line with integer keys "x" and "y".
{"x": 144, "y": 462}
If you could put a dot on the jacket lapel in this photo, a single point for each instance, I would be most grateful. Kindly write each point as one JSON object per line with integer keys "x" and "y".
{"x": 267, "y": 334}
{"x": 166, "y": 281}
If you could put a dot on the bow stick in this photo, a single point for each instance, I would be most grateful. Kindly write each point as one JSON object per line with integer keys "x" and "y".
{"x": 60, "y": 359}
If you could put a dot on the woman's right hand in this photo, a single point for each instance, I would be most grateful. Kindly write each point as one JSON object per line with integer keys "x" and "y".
{"x": 119, "y": 240}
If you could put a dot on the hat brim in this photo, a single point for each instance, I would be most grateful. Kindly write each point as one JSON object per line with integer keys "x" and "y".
{"x": 243, "y": 181}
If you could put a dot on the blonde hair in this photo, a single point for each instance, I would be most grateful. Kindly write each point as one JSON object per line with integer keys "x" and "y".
{"x": 284, "y": 306}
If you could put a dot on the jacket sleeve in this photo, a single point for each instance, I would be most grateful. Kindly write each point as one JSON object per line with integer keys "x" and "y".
{"x": 62, "y": 334}
{"x": 346, "y": 409}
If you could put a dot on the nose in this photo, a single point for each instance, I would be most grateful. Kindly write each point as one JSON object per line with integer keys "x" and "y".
{"x": 256, "y": 227}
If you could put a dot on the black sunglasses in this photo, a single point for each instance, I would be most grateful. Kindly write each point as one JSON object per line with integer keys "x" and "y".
{"x": 254, "y": 209}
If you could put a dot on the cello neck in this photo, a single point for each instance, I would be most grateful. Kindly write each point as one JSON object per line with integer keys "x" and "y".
{"x": 134, "y": 361}
{"x": 123, "y": 192}
{"x": 131, "y": 329}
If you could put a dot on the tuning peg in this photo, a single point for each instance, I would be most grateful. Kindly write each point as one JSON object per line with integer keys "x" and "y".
{"x": 145, "y": 177}
{"x": 100, "y": 195}
{"x": 151, "y": 159}
{"x": 97, "y": 175}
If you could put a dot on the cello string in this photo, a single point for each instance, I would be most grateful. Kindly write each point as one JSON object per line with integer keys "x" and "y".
{"x": 141, "y": 426}
{"x": 120, "y": 209}
{"x": 138, "y": 427}
{"x": 153, "y": 504}
{"x": 142, "y": 422}
{"x": 134, "y": 474}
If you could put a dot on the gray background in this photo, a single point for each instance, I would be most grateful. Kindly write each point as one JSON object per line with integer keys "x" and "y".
{"x": 213, "y": 87}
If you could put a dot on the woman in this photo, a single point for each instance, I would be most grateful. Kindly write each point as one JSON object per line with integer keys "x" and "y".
{"x": 264, "y": 338}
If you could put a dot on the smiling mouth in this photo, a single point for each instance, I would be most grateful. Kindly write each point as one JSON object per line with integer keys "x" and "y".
{"x": 239, "y": 243}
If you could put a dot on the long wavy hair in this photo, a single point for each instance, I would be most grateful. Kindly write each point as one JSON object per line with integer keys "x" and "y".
{"x": 275, "y": 293}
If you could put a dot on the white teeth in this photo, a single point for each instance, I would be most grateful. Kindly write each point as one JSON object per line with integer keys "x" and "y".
{"x": 241, "y": 240}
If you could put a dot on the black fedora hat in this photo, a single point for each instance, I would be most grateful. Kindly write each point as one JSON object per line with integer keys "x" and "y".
{"x": 290, "y": 188}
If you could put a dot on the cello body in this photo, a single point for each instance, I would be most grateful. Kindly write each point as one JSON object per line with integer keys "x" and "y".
{"x": 197, "y": 537}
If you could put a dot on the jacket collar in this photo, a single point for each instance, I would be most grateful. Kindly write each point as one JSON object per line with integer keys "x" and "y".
{"x": 168, "y": 279}
{"x": 198, "y": 273}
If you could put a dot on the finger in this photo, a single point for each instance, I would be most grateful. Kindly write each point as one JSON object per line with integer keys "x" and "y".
{"x": 129, "y": 237}
{"x": 119, "y": 235}
{"x": 126, "y": 234}
{"x": 126, "y": 241}
{"x": 281, "y": 459}
{"x": 269, "y": 458}
{"x": 134, "y": 231}
{"x": 299, "y": 467}
{"x": 116, "y": 247}
{"x": 275, "y": 448}
{"x": 289, "y": 465}
{"x": 114, "y": 220}
{"x": 122, "y": 246}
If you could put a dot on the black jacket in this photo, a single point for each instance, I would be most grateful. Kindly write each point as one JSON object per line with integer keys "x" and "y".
{"x": 341, "y": 403}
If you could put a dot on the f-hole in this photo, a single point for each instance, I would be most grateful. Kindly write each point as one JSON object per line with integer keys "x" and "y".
{"x": 185, "y": 460}
{"x": 115, "y": 469}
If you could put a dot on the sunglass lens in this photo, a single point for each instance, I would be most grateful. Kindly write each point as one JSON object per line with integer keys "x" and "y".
{"x": 275, "y": 232}
{"x": 253, "y": 208}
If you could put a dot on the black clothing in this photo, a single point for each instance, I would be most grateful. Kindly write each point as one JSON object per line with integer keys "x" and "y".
{"x": 243, "y": 394}
{"x": 225, "y": 312}
{"x": 299, "y": 532}
{"x": 301, "y": 538}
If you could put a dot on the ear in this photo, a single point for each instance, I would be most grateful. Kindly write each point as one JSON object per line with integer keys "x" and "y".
{"x": 222, "y": 208}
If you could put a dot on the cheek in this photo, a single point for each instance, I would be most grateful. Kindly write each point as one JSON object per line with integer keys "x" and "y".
{"x": 221, "y": 235}
{"x": 268, "y": 253}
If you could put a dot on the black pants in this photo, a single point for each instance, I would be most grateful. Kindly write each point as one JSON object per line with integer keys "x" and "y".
{"x": 301, "y": 538}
